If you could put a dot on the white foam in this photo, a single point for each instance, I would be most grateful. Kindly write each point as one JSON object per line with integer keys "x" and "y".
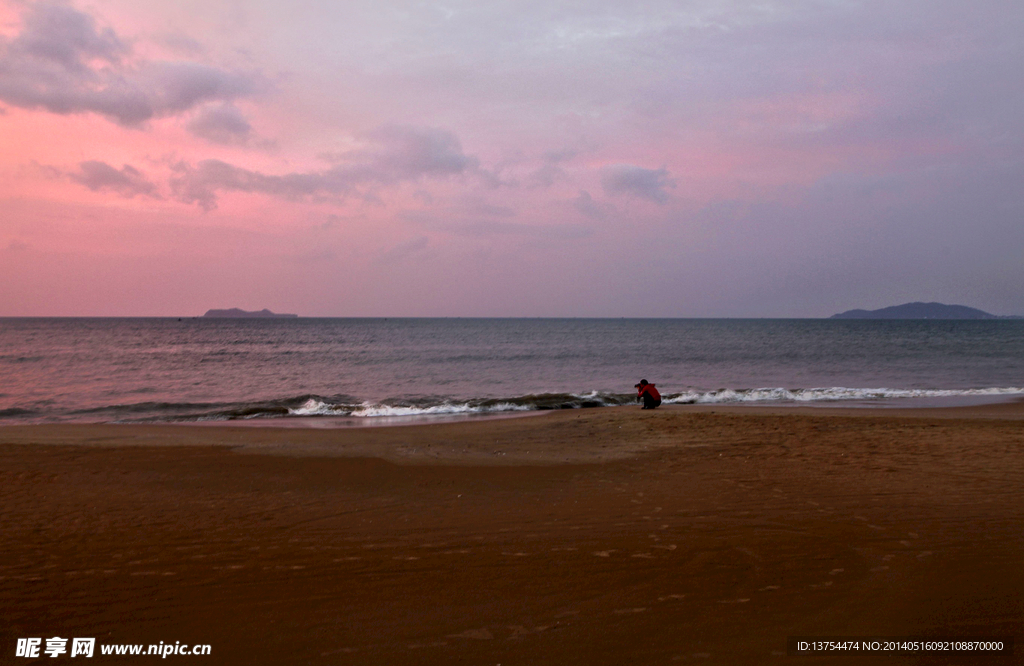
{"x": 314, "y": 407}
{"x": 829, "y": 393}
{"x": 317, "y": 407}
{"x": 367, "y": 409}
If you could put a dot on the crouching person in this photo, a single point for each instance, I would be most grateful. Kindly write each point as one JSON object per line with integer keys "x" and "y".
{"x": 646, "y": 393}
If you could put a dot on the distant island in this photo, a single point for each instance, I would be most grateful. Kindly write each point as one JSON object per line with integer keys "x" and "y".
{"x": 235, "y": 313}
{"x": 920, "y": 311}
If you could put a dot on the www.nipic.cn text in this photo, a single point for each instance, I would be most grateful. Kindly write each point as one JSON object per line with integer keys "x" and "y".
{"x": 86, "y": 647}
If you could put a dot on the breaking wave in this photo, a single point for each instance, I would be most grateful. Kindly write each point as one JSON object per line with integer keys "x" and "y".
{"x": 432, "y": 406}
{"x": 346, "y": 406}
{"x": 835, "y": 393}
{"x": 350, "y": 406}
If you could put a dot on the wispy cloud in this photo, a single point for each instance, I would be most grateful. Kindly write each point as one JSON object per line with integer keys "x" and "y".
{"x": 392, "y": 155}
{"x": 126, "y": 181}
{"x": 651, "y": 184}
{"x": 221, "y": 123}
{"x": 404, "y": 250}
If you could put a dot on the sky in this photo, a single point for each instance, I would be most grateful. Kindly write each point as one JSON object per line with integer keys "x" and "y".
{"x": 604, "y": 158}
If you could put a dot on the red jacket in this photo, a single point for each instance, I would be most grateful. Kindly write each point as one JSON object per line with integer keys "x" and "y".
{"x": 649, "y": 390}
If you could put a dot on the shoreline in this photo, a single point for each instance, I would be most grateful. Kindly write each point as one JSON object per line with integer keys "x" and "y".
{"x": 605, "y": 536}
{"x": 431, "y": 440}
{"x": 966, "y": 405}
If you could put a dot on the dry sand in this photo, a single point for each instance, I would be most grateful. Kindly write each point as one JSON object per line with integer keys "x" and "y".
{"x": 606, "y": 536}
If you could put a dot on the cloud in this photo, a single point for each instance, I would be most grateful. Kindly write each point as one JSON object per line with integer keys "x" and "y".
{"x": 128, "y": 182}
{"x": 179, "y": 86}
{"x": 475, "y": 219}
{"x": 392, "y": 155}
{"x": 404, "y": 250}
{"x": 63, "y": 63}
{"x": 182, "y": 43}
{"x": 199, "y": 184}
{"x": 546, "y": 175}
{"x": 637, "y": 181}
{"x": 586, "y": 205}
{"x": 406, "y": 153}
{"x": 222, "y": 123}
{"x": 484, "y": 228}
{"x": 60, "y": 34}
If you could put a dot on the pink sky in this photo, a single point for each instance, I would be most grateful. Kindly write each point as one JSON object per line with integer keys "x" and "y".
{"x": 509, "y": 159}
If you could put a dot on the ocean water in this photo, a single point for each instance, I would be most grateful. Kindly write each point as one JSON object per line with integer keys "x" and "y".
{"x": 166, "y": 369}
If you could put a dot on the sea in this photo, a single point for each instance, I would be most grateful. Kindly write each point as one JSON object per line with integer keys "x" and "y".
{"x": 386, "y": 370}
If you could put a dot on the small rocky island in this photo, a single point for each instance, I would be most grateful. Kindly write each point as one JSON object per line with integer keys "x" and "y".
{"x": 920, "y": 311}
{"x": 236, "y": 313}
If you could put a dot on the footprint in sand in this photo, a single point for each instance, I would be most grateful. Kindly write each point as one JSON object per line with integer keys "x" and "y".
{"x": 518, "y": 630}
{"x": 477, "y": 634}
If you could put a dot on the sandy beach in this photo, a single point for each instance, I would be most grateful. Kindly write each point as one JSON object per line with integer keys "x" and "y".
{"x": 604, "y": 536}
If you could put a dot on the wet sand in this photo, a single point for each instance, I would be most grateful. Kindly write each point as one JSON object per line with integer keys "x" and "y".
{"x": 606, "y": 536}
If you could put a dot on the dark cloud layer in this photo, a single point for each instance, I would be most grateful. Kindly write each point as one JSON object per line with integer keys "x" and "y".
{"x": 393, "y": 155}
{"x": 62, "y": 62}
